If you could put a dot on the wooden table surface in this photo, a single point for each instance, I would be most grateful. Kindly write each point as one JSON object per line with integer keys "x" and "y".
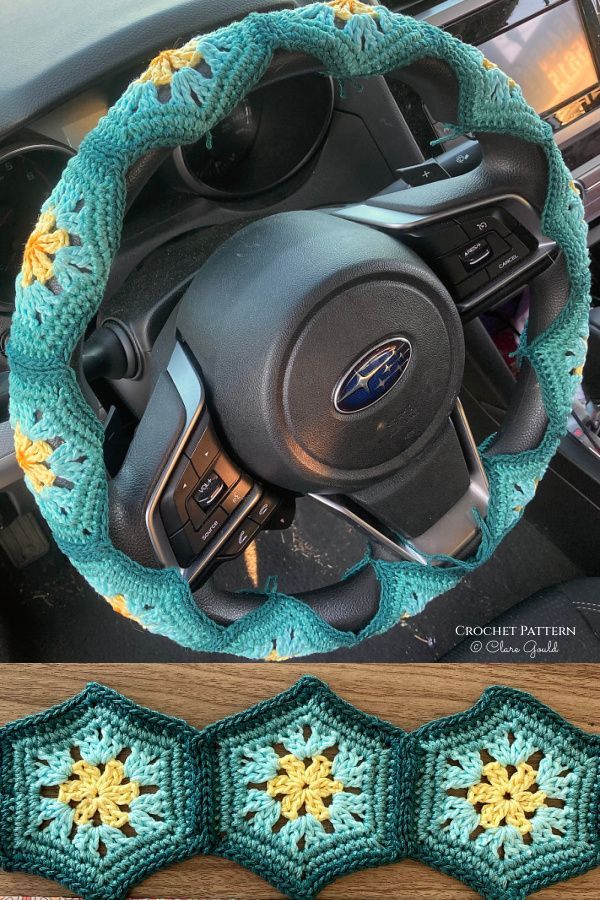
{"x": 407, "y": 695}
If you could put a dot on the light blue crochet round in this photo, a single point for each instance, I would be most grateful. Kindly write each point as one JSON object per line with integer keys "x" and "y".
{"x": 179, "y": 99}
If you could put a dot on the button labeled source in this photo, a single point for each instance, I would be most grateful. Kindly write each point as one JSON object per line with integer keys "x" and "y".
{"x": 211, "y": 526}
{"x": 188, "y": 544}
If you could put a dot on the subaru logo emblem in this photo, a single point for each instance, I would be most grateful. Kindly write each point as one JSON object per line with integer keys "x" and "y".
{"x": 372, "y": 376}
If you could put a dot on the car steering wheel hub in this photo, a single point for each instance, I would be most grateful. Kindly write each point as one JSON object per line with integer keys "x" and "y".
{"x": 301, "y": 297}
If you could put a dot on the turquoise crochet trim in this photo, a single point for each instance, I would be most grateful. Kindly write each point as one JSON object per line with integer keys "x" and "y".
{"x": 179, "y": 99}
{"x": 97, "y": 793}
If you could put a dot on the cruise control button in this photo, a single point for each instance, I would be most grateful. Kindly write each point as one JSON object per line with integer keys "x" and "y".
{"x": 240, "y": 539}
{"x": 470, "y": 285}
{"x": 423, "y": 173}
{"x": 475, "y": 254}
{"x": 451, "y": 268}
{"x": 179, "y": 487}
{"x": 209, "y": 490}
{"x": 517, "y": 252}
{"x": 202, "y": 448}
{"x": 237, "y": 494}
{"x": 480, "y": 225}
{"x": 498, "y": 244}
{"x": 264, "y": 508}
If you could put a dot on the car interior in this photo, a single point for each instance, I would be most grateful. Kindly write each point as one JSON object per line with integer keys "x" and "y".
{"x": 230, "y": 247}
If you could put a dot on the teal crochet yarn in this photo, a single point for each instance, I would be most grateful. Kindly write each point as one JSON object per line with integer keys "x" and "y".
{"x": 306, "y": 788}
{"x": 303, "y": 788}
{"x": 508, "y": 796}
{"x": 97, "y": 793}
{"x": 181, "y": 96}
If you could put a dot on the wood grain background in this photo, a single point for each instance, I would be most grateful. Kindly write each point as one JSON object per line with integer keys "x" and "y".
{"x": 407, "y": 695}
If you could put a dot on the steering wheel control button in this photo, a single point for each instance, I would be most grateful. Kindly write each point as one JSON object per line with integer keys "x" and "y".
{"x": 470, "y": 285}
{"x": 183, "y": 545}
{"x": 475, "y": 254}
{"x": 486, "y": 222}
{"x": 423, "y": 173}
{"x": 438, "y": 240}
{"x": 202, "y": 448}
{"x": 209, "y": 529}
{"x": 517, "y": 251}
{"x": 173, "y": 503}
{"x": 461, "y": 159}
{"x": 237, "y": 494}
{"x": 265, "y": 508}
{"x": 226, "y": 470}
{"x": 209, "y": 490}
{"x": 240, "y": 539}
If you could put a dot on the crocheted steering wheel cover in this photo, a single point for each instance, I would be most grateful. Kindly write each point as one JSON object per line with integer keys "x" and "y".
{"x": 180, "y": 97}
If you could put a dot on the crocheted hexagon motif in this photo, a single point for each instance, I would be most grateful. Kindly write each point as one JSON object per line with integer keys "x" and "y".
{"x": 306, "y": 787}
{"x": 97, "y": 793}
{"x": 507, "y": 799}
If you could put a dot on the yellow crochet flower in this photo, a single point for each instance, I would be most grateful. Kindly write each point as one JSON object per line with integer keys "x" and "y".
{"x": 31, "y": 457}
{"x": 273, "y": 656}
{"x": 507, "y": 798}
{"x": 44, "y": 241}
{"x": 345, "y": 9}
{"x": 304, "y": 786}
{"x": 94, "y": 792}
{"x": 162, "y": 68}
{"x": 119, "y": 604}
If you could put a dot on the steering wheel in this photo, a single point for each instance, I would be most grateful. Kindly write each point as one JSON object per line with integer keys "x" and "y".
{"x": 317, "y": 352}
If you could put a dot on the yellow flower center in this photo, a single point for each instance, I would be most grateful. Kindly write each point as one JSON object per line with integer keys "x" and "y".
{"x": 304, "y": 787}
{"x": 273, "y": 656}
{"x": 119, "y": 604}
{"x": 31, "y": 457}
{"x": 44, "y": 241}
{"x": 162, "y": 67}
{"x": 345, "y": 9}
{"x": 507, "y": 798}
{"x": 94, "y": 793}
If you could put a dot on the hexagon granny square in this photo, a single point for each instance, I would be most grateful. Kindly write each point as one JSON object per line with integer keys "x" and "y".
{"x": 306, "y": 788}
{"x": 508, "y": 796}
{"x": 97, "y": 793}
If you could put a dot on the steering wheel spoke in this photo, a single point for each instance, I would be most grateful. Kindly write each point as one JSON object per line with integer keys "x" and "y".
{"x": 449, "y": 509}
{"x": 484, "y": 249}
{"x": 203, "y": 508}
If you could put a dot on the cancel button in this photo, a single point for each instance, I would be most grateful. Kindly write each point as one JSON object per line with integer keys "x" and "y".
{"x": 517, "y": 252}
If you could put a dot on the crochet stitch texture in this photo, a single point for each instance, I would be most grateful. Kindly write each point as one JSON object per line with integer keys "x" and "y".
{"x": 180, "y": 97}
{"x": 303, "y": 788}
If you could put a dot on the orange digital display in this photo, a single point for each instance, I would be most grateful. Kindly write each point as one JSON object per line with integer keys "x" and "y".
{"x": 549, "y": 56}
